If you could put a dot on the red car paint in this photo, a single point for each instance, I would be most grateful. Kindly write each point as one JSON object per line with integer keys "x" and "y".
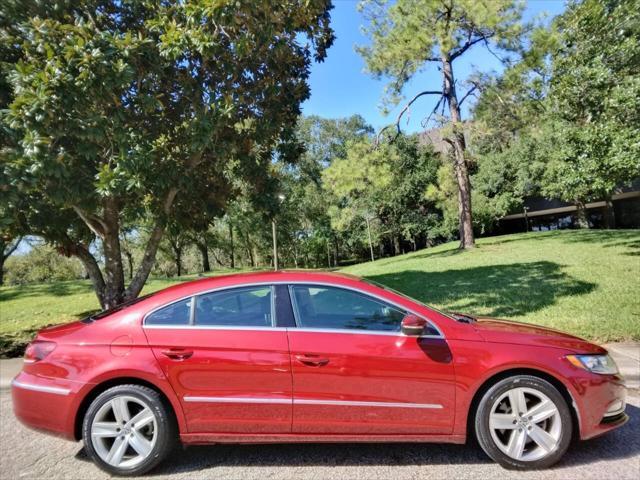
{"x": 300, "y": 385}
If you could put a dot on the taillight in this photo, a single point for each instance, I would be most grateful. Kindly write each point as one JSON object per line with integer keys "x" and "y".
{"x": 37, "y": 350}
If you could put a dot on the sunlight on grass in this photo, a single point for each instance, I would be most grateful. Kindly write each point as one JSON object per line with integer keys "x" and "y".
{"x": 582, "y": 282}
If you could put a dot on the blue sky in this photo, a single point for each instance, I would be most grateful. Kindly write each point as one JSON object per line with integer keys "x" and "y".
{"x": 340, "y": 87}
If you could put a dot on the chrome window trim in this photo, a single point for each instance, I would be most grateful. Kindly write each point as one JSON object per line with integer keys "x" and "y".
{"x": 296, "y": 312}
{"x": 40, "y": 388}
{"x": 213, "y": 327}
{"x": 297, "y": 401}
{"x": 319, "y": 283}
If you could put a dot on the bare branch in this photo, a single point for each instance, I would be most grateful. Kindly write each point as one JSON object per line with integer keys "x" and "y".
{"x": 404, "y": 110}
{"x": 469, "y": 92}
{"x": 468, "y": 44}
{"x": 11, "y": 249}
{"x": 95, "y": 224}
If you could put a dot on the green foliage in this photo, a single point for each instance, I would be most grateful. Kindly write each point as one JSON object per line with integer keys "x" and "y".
{"x": 124, "y": 112}
{"x": 41, "y": 264}
{"x": 409, "y": 33}
{"x": 564, "y": 122}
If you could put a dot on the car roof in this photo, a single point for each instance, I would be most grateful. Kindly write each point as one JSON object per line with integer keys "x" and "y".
{"x": 238, "y": 279}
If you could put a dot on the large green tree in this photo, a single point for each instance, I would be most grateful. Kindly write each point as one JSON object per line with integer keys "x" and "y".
{"x": 410, "y": 35}
{"x": 118, "y": 108}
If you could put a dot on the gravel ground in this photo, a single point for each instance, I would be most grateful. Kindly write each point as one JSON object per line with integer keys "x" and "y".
{"x": 27, "y": 454}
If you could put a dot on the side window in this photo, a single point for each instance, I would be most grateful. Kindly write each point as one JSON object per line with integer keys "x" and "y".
{"x": 238, "y": 307}
{"x": 175, "y": 314}
{"x": 329, "y": 307}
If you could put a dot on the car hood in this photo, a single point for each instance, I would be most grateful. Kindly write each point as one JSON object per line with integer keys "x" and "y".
{"x": 506, "y": 331}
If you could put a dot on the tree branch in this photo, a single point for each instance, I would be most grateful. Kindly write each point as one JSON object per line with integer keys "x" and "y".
{"x": 12, "y": 249}
{"x": 469, "y": 92}
{"x": 90, "y": 264}
{"x": 95, "y": 224}
{"x": 134, "y": 288}
{"x": 468, "y": 44}
{"x": 404, "y": 110}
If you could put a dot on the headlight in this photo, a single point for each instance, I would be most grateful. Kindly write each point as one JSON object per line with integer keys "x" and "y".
{"x": 602, "y": 364}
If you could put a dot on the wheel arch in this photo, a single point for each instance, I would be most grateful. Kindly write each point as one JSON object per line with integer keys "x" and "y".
{"x": 173, "y": 408}
{"x": 496, "y": 377}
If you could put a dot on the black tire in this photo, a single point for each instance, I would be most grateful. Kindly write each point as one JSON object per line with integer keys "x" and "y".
{"x": 483, "y": 431}
{"x": 166, "y": 436}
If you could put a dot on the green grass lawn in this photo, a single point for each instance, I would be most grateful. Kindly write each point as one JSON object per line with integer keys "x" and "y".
{"x": 583, "y": 282}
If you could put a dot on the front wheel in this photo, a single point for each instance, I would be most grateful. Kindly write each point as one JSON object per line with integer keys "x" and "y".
{"x": 127, "y": 430}
{"x": 524, "y": 422}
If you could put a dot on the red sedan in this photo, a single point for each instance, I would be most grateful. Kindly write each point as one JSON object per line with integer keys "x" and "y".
{"x": 311, "y": 357}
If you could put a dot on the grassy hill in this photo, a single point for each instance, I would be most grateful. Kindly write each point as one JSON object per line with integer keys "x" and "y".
{"x": 584, "y": 282}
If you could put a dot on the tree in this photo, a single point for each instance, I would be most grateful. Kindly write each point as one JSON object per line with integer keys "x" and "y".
{"x": 410, "y": 34}
{"x": 119, "y": 107}
{"x": 594, "y": 99}
{"x": 8, "y": 245}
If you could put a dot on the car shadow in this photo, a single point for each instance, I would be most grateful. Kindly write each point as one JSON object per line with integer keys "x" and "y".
{"x": 619, "y": 444}
{"x": 495, "y": 290}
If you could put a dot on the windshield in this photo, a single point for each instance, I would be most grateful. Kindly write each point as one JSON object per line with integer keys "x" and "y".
{"x": 117, "y": 308}
{"x": 389, "y": 289}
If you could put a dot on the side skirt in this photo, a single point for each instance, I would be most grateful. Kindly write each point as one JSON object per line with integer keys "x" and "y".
{"x": 213, "y": 438}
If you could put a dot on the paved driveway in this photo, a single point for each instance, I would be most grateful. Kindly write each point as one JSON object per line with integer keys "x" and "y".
{"x": 27, "y": 454}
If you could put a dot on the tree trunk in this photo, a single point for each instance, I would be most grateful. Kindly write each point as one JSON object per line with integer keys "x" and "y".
{"x": 581, "y": 215}
{"x": 2, "y": 259}
{"x": 130, "y": 263}
{"x": 370, "y": 242}
{"x": 232, "y": 255}
{"x": 178, "y": 260}
{"x": 460, "y": 164}
{"x": 396, "y": 245}
{"x": 609, "y": 214}
{"x": 113, "y": 269}
{"x": 204, "y": 253}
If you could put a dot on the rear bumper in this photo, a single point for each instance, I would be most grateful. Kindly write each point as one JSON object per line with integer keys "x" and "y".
{"x": 45, "y": 404}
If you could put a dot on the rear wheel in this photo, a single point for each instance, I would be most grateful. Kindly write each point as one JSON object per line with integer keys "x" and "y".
{"x": 127, "y": 430}
{"x": 524, "y": 422}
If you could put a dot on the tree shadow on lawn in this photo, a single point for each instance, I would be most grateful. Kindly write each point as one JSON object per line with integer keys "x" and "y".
{"x": 497, "y": 290}
{"x": 57, "y": 289}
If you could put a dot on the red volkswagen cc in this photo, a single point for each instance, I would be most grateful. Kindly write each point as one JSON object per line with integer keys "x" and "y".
{"x": 310, "y": 357}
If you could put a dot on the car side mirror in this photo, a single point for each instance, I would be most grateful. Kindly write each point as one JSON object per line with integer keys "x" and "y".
{"x": 413, "y": 325}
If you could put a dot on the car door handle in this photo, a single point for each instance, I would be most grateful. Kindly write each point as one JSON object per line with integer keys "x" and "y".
{"x": 312, "y": 360}
{"x": 177, "y": 353}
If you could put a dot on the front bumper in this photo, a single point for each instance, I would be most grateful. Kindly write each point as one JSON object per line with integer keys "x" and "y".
{"x": 602, "y": 400}
{"x": 44, "y": 404}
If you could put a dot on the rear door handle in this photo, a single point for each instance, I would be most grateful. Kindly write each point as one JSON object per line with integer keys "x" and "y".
{"x": 312, "y": 360}
{"x": 177, "y": 353}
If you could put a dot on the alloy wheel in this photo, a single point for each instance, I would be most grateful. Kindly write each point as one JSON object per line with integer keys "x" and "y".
{"x": 525, "y": 424}
{"x": 124, "y": 431}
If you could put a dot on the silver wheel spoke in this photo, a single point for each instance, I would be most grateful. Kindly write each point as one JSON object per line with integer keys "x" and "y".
{"x": 525, "y": 434}
{"x": 140, "y": 444}
{"x": 541, "y": 411}
{"x": 120, "y": 409}
{"x": 124, "y": 431}
{"x": 516, "y": 443}
{"x": 542, "y": 438}
{"x": 142, "y": 419}
{"x": 502, "y": 421}
{"x": 117, "y": 451}
{"x": 105, "y": 430}
{"x": 517, "y": 401}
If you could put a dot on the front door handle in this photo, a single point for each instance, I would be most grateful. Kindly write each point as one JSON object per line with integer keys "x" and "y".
{"x": 177, "y": 353}
{"x": 312, "y": 360}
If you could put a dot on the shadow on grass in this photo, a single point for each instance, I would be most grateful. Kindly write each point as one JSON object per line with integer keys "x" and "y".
{"x": 497, "y": 290}
{"x": 58, "y": 289}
